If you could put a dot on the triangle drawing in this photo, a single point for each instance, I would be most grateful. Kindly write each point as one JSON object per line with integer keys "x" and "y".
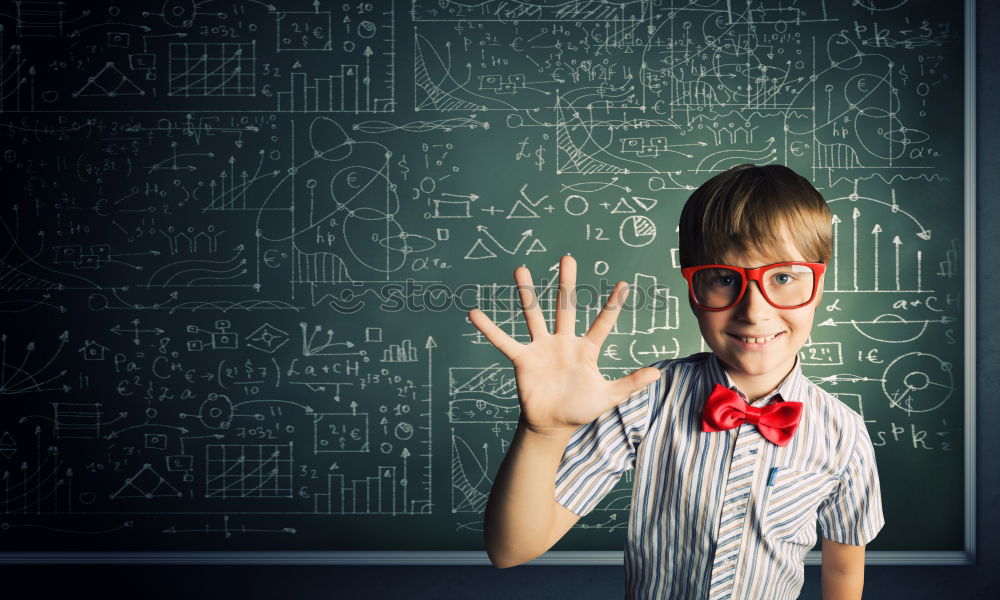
{"x": 478, "y": 251}
{"x": 623, "y": 207}
{"x": 109, "y": 82}
{"x": 146, "y": 483}
{"x": 7, "y": 445}
{"x": 522, "y": 211}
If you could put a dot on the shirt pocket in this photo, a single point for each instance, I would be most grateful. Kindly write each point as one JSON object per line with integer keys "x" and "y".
{"x": 789, "y": 505}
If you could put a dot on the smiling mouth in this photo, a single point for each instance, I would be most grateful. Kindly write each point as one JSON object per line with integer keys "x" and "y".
{"x": 755, "y": 340}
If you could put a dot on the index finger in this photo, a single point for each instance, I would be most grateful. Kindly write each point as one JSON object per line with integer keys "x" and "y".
{"x": 496, "y": 336}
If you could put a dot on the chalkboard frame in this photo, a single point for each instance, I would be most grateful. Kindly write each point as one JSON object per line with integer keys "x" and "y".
{"x": 967, "y": 556}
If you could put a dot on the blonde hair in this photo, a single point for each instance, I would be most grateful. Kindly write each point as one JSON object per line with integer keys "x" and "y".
{"x": 749, "y": 209}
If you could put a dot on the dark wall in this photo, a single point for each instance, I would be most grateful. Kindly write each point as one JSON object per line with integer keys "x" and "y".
{"x": 483, "y": 583}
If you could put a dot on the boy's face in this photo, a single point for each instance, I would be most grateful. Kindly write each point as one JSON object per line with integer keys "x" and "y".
{"x": 758, "y": 367}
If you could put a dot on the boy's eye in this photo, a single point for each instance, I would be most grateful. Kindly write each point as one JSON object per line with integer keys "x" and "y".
{"x": 783, "y": 278}
{"x": 725, "y": 280}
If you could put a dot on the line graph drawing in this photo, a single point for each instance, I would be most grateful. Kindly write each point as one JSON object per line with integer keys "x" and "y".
{"x": 248, "y": 471}
{"x": 38, "y": 484}
{"x": 470, "y": 482}
{"x": 212, "y": 69}
{"x": 23, "y": 377}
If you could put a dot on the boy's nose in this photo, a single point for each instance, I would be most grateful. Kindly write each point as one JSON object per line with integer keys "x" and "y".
{"x": 753, "y": 306}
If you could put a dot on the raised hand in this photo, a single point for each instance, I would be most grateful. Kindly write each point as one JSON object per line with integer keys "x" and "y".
{"x": 558, "y": 382}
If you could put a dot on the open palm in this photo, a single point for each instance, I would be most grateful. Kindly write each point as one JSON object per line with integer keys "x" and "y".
{"x": 558, "y": 382}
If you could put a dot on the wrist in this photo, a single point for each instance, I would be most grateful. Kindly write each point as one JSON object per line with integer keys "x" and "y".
{"x": 557, "y": 435}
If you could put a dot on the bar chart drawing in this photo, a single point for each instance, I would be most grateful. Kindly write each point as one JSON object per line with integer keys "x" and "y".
{"x": 359, "y": 70}
{"x": 383, "y": 493}
{"x": 347, "y": 91}
{"x": 860, "y": 239}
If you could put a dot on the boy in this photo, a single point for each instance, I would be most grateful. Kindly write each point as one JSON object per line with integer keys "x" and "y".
{"x": 737, "y": 455}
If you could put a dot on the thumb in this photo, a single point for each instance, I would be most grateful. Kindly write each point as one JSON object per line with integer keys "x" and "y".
{"x": 623, "y": 387}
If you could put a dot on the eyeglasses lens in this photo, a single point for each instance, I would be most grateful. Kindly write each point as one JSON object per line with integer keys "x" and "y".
{"x": 784, "y": 285}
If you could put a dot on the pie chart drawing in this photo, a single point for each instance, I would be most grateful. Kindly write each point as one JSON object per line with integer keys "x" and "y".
{"x": 918, "y": 382}
{"x": 637, "y": 231}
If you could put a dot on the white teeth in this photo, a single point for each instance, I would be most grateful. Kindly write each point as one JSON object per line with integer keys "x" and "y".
{"x": 756, "y": 340}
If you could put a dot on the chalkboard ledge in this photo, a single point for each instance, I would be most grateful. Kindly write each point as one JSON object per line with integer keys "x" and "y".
{"x": 954, "y": 558}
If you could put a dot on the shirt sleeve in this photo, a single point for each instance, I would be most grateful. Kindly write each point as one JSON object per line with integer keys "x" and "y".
{"x": 852, "y": 514}
{"x": 599, "y": 452}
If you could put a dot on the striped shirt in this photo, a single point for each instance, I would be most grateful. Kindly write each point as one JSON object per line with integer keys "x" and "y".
{"x": 724, "y": 515}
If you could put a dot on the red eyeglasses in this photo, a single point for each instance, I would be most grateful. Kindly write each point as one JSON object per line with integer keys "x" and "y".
{"x": 783, "y": 285}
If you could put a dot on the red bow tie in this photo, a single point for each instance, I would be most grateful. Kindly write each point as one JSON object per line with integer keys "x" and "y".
{"x": 726, "y": 409}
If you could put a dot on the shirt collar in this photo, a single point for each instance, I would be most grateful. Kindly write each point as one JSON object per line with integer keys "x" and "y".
{"x": 789, "y": 388}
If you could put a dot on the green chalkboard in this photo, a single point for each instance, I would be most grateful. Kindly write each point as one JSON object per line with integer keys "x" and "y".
{"x": 239, "y": 244}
